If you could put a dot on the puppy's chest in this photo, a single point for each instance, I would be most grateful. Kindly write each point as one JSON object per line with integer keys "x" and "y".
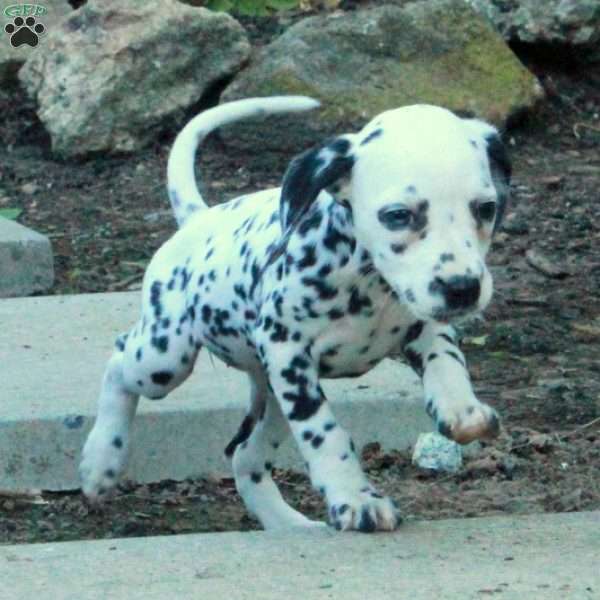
{"x": 354, "y": 344}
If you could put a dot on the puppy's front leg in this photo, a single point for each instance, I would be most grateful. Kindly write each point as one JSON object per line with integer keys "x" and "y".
{"x": 449, "y": 398}
{"x": 327, "y": 449}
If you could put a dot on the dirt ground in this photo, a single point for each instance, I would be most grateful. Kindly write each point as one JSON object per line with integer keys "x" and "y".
{"x": 535, "y": 357}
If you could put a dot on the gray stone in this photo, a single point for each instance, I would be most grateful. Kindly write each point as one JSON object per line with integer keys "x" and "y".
{"x": 26, "y": 263}
{"x": 12, "y": 59}
{"x": 435, "y": 452}
{"x": 535, "y": 557}
{"x": 115, "y": 74}
{"x": 574, "y": 23}
{"x": 364, "y": 62}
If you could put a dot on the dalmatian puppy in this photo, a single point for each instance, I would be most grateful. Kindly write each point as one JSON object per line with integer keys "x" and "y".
{"x": 373, "y": 245}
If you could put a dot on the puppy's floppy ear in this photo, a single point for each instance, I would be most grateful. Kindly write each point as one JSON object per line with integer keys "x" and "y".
{"x": 313, "y": 171}
{"x": 501, "y": 169}
{"x": 498, "y": 160}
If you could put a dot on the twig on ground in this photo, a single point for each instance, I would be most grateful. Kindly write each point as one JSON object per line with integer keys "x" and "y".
{"x": 581, "y": 125}
{"x": 124, "y": 283}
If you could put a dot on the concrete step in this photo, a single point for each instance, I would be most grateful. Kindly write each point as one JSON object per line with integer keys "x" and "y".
{"x": 26, "y": 261}
{"x": 538, "y": 557}
{"x": 52, "y": 355}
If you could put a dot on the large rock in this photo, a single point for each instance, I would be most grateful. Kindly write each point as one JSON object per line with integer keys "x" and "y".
{"x": 114, "y": 71}
{"x": 574, "y": 23}
{"x": 12, "y": 58}
{"x": 361, "y": 63}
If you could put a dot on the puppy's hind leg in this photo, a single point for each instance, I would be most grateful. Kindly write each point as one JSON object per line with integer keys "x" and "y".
{"x": 253, "y": 461}
{"x": 107, "y": 447}
{"x": 145, "y": 365}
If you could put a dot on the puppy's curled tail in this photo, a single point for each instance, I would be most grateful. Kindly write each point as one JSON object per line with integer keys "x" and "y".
{"x": 184, "y": 195}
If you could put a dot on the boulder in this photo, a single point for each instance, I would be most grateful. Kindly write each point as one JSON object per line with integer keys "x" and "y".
{"x": 573, "y": 23}
{"x": 363, "y": 62}
{"x": 12, "y": 56}
{"x": 114, "y": 74}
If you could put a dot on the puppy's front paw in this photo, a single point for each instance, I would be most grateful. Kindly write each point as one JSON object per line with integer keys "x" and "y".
{"x": 365, "y": 511}
{"x": 473, "y": 421}
{"x": 104, "y": 458}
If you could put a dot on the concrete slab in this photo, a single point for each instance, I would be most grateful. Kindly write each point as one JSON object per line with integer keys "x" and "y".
{"x": 52, "y": 357}
{"x": 538, "y": 557}
{"x": 26, "y": 262}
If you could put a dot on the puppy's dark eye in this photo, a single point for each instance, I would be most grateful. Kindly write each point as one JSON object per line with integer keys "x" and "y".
{"x": 486, "y": 210}
{"x": 395, "y": 217}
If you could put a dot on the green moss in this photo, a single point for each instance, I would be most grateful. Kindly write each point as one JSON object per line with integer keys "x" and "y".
{"x": 363, "y": 66}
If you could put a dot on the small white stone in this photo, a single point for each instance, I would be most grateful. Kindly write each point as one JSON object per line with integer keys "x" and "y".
{"x": 435, "y": 452}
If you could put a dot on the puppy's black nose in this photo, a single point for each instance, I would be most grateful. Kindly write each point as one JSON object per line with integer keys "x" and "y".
{"x": 460, "y": 291}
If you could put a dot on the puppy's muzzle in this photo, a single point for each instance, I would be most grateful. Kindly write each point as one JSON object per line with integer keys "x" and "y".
{"x": 460, "y": 292}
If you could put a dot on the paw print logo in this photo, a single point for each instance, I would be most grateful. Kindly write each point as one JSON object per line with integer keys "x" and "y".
{"x": 24, "y": 31}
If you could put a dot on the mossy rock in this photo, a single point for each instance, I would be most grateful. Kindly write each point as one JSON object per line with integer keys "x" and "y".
{"x": 364, "y": 62}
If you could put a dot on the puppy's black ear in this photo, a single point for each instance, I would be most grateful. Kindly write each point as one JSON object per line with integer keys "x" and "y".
{"x": 313, "y": 171}
{"x": 501, "y": 169}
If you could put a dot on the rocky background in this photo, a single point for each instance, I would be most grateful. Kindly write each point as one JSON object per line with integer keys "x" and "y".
{"x": 111, "y": 76}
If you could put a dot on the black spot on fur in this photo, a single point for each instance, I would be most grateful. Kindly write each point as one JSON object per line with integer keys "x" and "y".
{"x": 280, "y": 333}
{"x": 309, "y": 259}
{"x": 238, "y": 289}
{"x": 367, "y": 523}
{"x": 304, "y": 406}
{"x": 312, "y": 221}
{"x": 324, "y": 291}
{"x": 410, "y": 296}
{"x": 324, "y": 368}
{"x": 445, "y": 429}
{"x": 357, "y": 302}
{"x": 413, "y": 332}
{"x": 455, "y": 356}
{"x": 420, "y": 219}
{"x": 206, "y": 313}
{"x": 372, "y": 136}
{"x": 117, "y": 442}
{"x": 446, "y": 337}
{"x": 415, "y": 360}
{"x": 160, "y": 343}
{"x": 242, "y": 435}
{"x": 334, "y": 237}
{"x": 155, "y": 294}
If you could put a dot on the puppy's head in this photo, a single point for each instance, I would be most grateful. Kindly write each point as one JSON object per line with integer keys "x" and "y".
{"x": 427, "y": 190}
